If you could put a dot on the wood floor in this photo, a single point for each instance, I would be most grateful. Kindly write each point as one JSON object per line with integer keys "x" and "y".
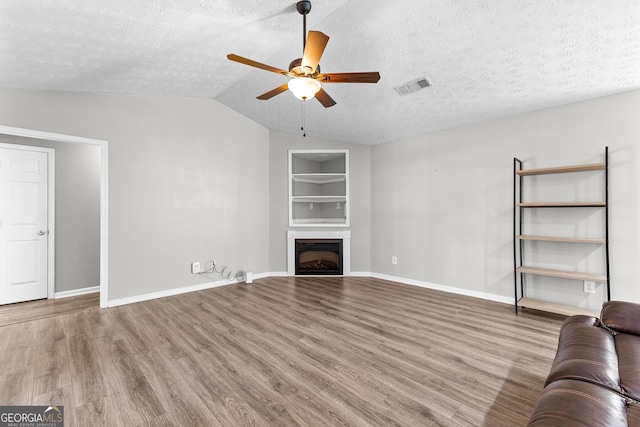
{"x": 32, "y": 310}
{"x": 285, "y": 352}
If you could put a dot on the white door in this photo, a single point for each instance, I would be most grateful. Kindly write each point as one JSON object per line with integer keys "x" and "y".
{"x": 23, "y": 225}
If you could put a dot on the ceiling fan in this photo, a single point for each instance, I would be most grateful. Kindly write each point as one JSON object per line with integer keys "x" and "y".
{"x": 306, "y": 78}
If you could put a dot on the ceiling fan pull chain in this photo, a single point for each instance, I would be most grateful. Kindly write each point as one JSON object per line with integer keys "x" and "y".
{"x": 304, "y": 134}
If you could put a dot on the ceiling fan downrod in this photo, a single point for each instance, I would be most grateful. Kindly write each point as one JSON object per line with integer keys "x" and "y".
{"x": 304, "y": 7}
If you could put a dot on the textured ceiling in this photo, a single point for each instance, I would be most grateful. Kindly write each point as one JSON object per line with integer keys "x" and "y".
{"x": 486, "y": 58}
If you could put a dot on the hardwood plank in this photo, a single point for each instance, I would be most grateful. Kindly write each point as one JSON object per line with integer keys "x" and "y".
{"x": 84, "y": 362}
{"x": 49, "y": 374}
{"x": 174, "y": 392}
{"x": 214, "y": 393}
{"x": 15, "y": 388}
{"x": 303, "y": 351}
{"x": 128, "y": 382}
{"x": 40, "y": 309}
{"x": 60, "y": 397}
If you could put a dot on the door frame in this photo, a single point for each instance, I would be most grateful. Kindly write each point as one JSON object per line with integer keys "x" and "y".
{"x": 51, "y": 210}
{"x": 104, "y": 193}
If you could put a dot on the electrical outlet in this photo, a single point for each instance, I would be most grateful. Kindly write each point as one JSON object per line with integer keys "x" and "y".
{"x": 195, "y": 267}
{"x": 589, "y": 287}
{"x": 394, "y": 260}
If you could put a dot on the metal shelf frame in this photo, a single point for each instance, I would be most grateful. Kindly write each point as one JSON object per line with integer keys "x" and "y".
{"x": 519, "y": 243}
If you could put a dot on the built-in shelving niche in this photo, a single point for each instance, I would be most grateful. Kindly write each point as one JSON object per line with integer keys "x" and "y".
{"x": 319, "y": 188}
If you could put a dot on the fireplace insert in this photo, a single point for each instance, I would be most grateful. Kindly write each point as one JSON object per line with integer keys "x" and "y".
{"x": 318, "y": 257}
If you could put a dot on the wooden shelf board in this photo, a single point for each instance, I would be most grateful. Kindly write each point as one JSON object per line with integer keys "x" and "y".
{"x": 562, "y": 239}
{"x": 319, "y": 220}
{"x": 562, "y": 169}
{"x": 560, "y": 204}
{"x": 563, "y": 274}
{"x": 550, "y": 307}
{"x": 319, "y": 178}
{"x": 319, "y": 199}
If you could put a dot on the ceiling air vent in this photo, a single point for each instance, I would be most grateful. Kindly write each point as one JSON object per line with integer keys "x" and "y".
{"x": 413, "y": 86}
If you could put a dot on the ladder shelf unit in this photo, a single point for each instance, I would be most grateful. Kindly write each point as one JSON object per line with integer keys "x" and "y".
{"x": 520, "y": 239}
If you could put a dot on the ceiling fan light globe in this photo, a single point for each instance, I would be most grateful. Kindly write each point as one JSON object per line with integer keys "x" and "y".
{"x": 304, "y": 88}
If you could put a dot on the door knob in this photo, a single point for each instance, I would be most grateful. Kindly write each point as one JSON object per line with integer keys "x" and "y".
{"x": 42, "y": 233}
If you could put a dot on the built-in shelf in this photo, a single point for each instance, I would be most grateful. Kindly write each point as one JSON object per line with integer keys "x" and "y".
{"x": 562, "y": 239}
{"x": 319, "y": 199}
{"x": 562, "y": 169}
{"x": 561, "y": 204}
{"x": 306, "y": 221}
{"x": 562, "y": 274}
{"x": 319, "y": 188}
{"x": 566, "y": 310}
{"x": 317, "y": 178}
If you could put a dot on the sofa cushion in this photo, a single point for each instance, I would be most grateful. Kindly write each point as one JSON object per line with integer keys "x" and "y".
{"x": 633, "y": 415}
{"x": 585, "y": 353}
{"x": 621, "y": 316}
{"x": 579, "y": 403}
{"x": 628, "y": 348}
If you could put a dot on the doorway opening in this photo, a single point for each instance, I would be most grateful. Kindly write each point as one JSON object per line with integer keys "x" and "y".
{"x": 104, "y": 211}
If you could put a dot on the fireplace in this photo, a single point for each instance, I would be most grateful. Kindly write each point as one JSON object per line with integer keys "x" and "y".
{"x": 319, "y": 235}
{"x": 318, "y": 257}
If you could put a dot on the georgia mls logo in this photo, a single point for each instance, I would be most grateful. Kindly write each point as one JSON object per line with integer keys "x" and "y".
{"x": 31, "y": 416}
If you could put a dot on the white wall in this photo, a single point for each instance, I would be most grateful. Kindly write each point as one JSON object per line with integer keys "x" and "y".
{"x": 77, "y": 212}
{"x": 191, "y": 180}
{"x": 443, "y": 204}
{"x": 185, "y": 177}
{"x": 359, "y": 192}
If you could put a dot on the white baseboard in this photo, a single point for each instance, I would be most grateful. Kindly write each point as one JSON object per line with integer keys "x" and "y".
{"x": 215, "y": 284}
{"x": 76, "y": 292}
{"x": 276, "y": 274}
{"x": 361, "y": 274}
{"x": 443, "y": 288}
{"x": 170, "y": 292}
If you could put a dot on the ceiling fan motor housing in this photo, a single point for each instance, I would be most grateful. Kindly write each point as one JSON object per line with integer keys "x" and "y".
{"x": 296, "y": 68}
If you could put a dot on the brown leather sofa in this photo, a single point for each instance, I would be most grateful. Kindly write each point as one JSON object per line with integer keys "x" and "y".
{"x": 595, "y": 377}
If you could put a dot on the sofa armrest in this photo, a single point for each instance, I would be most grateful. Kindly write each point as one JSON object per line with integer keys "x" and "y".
{"x": 581, "y": 318}
{"x": 578, "y": 403}
{"x": 621, "y": 316}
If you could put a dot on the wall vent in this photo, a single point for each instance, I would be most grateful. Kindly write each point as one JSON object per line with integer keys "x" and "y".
{"x": 413, "y": 86}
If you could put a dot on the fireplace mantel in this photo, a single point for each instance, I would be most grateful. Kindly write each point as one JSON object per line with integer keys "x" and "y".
{"x": 345, "y": 235}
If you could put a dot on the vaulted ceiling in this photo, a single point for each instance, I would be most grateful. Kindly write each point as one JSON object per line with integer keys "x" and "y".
{"x": 486, "y": 59}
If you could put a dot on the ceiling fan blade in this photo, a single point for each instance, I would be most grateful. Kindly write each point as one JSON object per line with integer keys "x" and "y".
{"x": 369, "y": 77}
{"x": 274, "y": 92}
{"x": 256, "y": 64}
{"x": 316, "y": 42}
{"x": 325, "y": 99}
